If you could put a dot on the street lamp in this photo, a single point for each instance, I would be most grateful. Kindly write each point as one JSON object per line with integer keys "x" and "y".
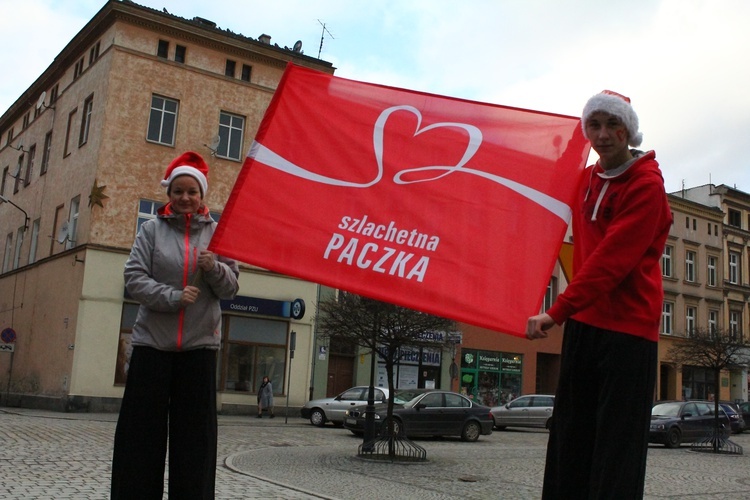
{"x": 3, "y": 199}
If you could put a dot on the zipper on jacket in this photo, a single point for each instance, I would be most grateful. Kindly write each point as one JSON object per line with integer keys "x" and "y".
{"x": 185, "y": 271}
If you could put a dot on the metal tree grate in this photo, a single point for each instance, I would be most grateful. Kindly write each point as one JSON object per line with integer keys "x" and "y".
{"x": 717, "y": 442}
{"x": 392, "y": 449}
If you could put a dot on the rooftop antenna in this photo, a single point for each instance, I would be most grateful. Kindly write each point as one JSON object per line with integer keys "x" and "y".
{"x": 322, "y": 34}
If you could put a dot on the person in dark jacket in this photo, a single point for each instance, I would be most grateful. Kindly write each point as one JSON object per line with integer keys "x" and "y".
{"x": 265, "y": 398}
{"x": 612, "y": 310}
{"x": 170, "y": 393}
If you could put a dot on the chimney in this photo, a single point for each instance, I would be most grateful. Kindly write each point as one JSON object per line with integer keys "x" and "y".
{"x": 265, "y": 38}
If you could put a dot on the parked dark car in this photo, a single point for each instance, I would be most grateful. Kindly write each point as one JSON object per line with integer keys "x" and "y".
{"x": 532, "y": 410}
{"x": 320, "y": 411}
{"x": 676, "y": 422}
{"x": 745, "y": 409}
{"x": 734, "y": 413}
{"x": 429, "y": 413}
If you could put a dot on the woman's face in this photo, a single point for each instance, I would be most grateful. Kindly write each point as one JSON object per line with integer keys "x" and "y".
{"x": 185, "y": 195}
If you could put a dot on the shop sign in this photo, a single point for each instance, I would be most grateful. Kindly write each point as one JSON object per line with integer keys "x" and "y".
{"x": 267, "y": 307}
{"x": 412, "y": 355}
{"x": 512, "y": 363}
{"x": 489, "y": 361}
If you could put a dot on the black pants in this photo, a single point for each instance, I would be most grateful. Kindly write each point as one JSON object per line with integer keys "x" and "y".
{"x": 599, "y": 434}
{"x": 169, "y": 396}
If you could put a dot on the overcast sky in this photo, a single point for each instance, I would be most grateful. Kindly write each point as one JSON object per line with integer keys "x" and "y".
{"x": 684, "y": 63}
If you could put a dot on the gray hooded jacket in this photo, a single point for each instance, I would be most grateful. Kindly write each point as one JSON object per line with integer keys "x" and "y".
{"x": 163, "y": 260}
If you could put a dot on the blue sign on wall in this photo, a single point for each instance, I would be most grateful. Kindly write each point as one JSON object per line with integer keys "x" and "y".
{"x": 267, "y": 307}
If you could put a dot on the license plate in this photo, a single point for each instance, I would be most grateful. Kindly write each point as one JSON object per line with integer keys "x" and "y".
{"x": 351, "y": 421}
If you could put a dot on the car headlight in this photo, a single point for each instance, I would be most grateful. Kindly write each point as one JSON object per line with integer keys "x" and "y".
{"x": 657, "y": 427}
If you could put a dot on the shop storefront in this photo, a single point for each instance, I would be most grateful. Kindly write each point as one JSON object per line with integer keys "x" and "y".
{"x": 252, "y": 347}
{"x": 417, "y": 367}
{"x": 491, "y": 378}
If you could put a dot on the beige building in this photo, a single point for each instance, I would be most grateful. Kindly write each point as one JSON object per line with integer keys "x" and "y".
{"x": 709, "y": 287}
{"x": 82, "y": 152}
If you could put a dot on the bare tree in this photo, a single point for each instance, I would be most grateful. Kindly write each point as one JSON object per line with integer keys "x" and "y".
{"x": 714, "y": 350}
{"x": 383, "y": 329}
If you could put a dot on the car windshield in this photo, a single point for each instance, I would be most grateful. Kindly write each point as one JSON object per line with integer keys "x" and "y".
{"x": 666, "y": 410}
{"x": 403, "y": 396}
{"x": 728, "y": 409}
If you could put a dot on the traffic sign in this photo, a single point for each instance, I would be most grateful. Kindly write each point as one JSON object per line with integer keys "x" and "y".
{"x": 8, "y": 335}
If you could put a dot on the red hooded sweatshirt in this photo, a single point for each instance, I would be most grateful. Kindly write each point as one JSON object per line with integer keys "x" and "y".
{"x": 621, "y": 220}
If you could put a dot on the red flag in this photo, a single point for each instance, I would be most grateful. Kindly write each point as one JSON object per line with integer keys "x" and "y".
{"x": 448, "y": 206}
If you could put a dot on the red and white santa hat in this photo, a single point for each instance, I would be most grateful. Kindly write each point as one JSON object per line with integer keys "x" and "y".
{"x": 617, "y": 105}
{"x": 188, "y": 163}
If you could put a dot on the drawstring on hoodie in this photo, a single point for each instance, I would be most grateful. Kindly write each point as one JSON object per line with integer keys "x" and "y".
{"x": 607, "y": 175}
{"x": 599, "y": 199}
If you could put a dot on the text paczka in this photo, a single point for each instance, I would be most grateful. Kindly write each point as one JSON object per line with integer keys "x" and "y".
{"x": 378, "y": 257}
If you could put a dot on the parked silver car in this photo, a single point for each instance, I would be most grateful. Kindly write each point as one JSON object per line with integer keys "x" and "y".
{"x": 532, "y": 410}
{"x": 320, "y": 411}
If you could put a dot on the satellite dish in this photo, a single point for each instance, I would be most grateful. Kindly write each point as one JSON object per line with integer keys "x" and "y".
{"x": 65, "y": 233}
{"x": 215, "y": 140}
{"x": 297, "y": 46}
{"x": 40, "y": 101}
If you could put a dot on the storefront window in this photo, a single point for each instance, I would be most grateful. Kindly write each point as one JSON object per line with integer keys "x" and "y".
{"x": 697, "y": 383}
{"x": 490, "y": 378}
{"x": 254, "y": 348}
{"x": 418, "y": 367}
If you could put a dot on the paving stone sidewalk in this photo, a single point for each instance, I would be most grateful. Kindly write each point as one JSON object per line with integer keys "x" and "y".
{"x": 47, "y": 455}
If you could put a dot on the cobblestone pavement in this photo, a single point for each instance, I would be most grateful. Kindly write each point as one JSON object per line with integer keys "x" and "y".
{"x": 47, "y": 455}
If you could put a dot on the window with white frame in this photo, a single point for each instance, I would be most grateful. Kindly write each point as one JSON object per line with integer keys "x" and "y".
{"x": 690, "y": 266}
{"x": 734, "y": 218}
{"x": 690, "y": 313}
{"x": 46, "y": 153}
{"x": 713, "y": 321}
{"x": 230, "y": 134}
{"x": 71, "y": 121}
{"x": 146, "y": 211}
{"x": 162, "y": 121}
{"x": 19, "y": 242}
{"x": 734, "y": 325}
{"x": 73, "y": 222}
{"x": 666, "y": 261}
{"x": 7, "y": 258}
{"x": 666, "y": 318}
{"x": 34, "y": 240}
{"x": 29, "y": 165}
{"x": 734, "y": 268}
{"x": 88, "y": 109}
{"x": 551, "y": 294}
{"x": 711, "y": 278}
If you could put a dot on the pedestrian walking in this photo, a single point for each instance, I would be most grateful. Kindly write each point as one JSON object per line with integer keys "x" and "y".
{"x": 265, "y": 398}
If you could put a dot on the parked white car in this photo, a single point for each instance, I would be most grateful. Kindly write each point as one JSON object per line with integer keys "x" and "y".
{"x": 532, "y": 410}
{"x": 320, "y": 411}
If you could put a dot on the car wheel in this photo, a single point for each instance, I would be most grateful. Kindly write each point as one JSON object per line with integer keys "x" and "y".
{"x": 674, "y": 437}
{"x": 317, "y": 417}
{"x": 471, "y": 431}
{"x": 548, "y": 423}
{"x": 397, "y": 428}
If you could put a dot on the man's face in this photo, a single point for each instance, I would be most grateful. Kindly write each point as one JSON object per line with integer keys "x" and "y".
{"x": 608, "y": 137}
